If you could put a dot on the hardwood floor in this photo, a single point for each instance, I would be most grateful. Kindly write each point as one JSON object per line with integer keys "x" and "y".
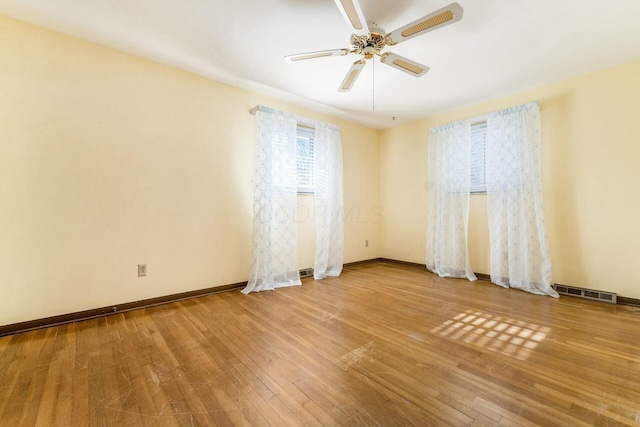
{"x": 381, "y": 345}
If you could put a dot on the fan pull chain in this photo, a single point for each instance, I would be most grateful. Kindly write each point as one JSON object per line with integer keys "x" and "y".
{"x": 373, "y": 91}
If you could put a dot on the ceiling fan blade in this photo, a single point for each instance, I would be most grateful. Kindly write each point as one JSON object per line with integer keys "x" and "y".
{"x": 438, "y": 19}
{"x": 319, "y": 54}
{"x": 403, "y": 64}
{"x": 351, "y": 76}
{"x": 352, "y": 13}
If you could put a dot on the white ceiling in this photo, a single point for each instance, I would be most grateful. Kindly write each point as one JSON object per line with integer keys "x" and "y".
{"x": 499, "y": 47}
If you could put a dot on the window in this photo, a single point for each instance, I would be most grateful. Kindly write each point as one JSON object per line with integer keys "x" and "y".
{"x": 478, "y": 157}
{"x": 304, "y": 159}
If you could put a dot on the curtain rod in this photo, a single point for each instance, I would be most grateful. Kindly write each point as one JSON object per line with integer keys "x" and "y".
{"x": 301, "y": 120}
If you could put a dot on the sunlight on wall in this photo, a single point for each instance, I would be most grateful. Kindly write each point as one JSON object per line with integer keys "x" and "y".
{"x": 507, "y": 336}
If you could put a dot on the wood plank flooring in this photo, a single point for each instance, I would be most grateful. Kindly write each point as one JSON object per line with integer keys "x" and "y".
{"x": 383, "y": 345}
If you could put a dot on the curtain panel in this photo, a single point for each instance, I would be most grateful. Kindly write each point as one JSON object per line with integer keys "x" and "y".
{"x": 518, "y": 239}
{"x": 448, "y": 193}
{"x": 329, "y": 201}
{"x": 274, "y": 251}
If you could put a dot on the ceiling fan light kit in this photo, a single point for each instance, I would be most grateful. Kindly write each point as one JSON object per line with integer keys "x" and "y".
{"x": 369, "y": 40}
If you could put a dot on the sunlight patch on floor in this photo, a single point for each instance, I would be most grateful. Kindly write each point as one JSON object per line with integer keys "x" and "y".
{"x": 496, "y": 333}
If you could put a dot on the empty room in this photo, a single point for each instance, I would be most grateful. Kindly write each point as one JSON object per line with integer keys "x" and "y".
{"x": 323, "y": 213}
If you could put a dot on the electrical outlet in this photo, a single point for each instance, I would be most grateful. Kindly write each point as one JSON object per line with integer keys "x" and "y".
{"x": 142, "y": 270}
{"x": 366, "y": 243}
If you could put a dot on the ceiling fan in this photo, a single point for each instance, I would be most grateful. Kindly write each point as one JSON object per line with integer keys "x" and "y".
{"x": 369, "y": 40}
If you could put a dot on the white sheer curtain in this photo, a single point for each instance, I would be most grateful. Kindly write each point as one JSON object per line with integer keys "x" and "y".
{"x": 448, "y": 192}
{"x": 328, "y": 187}
{"x": 518, "y": 238}
{"x": 274, "y": 254}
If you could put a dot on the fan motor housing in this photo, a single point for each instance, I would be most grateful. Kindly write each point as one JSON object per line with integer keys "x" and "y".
{"x": 370, "y": 44}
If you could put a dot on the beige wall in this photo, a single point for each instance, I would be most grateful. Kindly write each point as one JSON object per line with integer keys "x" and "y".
{"x": 108, "y": 160}
{"x": 590, "y": 155}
